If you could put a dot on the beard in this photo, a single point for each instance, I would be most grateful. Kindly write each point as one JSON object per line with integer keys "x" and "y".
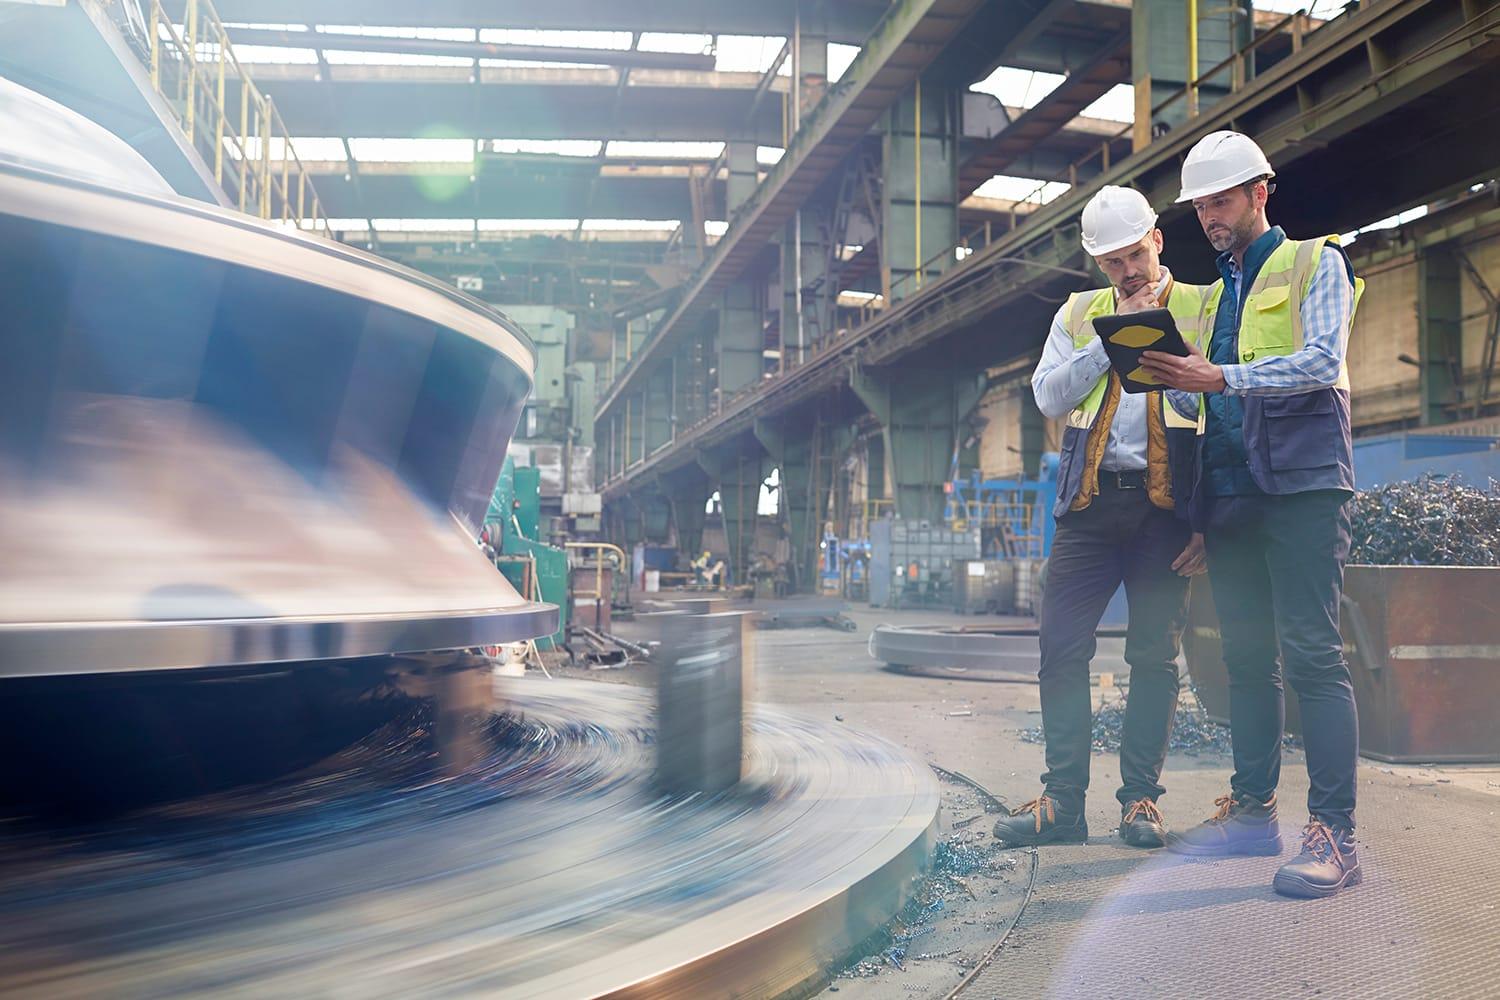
{"x": 1232, "y": 236}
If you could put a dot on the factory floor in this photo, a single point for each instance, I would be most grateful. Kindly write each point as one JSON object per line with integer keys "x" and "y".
{"x": 1102, "y": 920}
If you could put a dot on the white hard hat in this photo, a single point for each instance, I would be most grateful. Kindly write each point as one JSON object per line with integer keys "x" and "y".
{"x": 1115, "y": 217}
{"x": 1220, "y": 161}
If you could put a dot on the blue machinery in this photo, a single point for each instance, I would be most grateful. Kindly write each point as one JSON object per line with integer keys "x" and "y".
{"x": 1014, "y": 515}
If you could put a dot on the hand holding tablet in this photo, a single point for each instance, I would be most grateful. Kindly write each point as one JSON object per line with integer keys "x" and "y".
{"x": 1127, "y": 337}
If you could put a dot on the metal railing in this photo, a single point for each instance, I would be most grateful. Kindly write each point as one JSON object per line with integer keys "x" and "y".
{"x": 600, "y": 550}
{"x": 191, "y": 66}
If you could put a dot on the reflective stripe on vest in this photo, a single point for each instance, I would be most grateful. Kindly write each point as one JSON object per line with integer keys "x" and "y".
{"x": 1185, "y": 303}
{"x": 1271, "y": 318}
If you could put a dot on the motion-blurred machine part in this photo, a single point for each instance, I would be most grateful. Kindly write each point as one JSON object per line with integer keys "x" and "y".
{"x": 223, "y": 442}
{"x": 705, "y": 667}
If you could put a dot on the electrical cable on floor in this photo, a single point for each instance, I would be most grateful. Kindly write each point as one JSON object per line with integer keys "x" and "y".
{"x": 994, "y": 949}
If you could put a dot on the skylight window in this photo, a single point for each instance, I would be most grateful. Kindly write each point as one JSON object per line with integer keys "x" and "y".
{"x": 658, "y": 41}
{"x": 1018, "y": 88}
{"x": 749, "y": 53}
{"x": 654, "y": 225}
{"x": 623, "y": 149}
{"x": 1022, "y": 189}
{"x": 1117, "y": 105}
{"x": 554, "y": 147}
{"x": 413, "y": 150}
{"x": 839, "y": 59}
{"x": 1390, "y": 222}
{"x": 558, "y": 38}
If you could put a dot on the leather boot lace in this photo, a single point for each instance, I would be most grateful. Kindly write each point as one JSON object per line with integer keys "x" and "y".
{"x": 1037, "y": 806}
{"x": 1146, "y": 808}
{"x": 1319, "y": 841}
{"x": 1226, "y": 806}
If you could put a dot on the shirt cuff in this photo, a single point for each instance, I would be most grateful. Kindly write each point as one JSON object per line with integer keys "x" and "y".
{"x": 1097, "y": 356}
{"x": 1236, "y": 379}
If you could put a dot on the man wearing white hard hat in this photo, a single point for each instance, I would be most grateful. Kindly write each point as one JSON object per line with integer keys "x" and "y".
{"x": 1276, "y": 470}
{"x": 1126, "y": 463}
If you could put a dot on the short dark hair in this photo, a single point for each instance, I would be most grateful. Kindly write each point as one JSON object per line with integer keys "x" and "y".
{"x": 1249, "y": 185}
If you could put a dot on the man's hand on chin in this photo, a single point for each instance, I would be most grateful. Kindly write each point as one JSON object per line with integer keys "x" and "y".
{"x": 1140, "y": 300}
{"x": 1194, "y": 373}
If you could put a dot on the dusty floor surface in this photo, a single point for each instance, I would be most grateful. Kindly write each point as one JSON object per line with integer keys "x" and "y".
{"x": 975, "y": 727}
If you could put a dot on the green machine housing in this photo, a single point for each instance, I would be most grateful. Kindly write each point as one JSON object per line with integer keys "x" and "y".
{"x": 514, "y": 517}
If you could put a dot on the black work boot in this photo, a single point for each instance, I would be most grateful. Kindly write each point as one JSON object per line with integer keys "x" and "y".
{"x": 1040, "y": 821}
{"x": 1241, "y": 826}
{"x": 1327, "y": 864}
{"x": 1142, "y": 824}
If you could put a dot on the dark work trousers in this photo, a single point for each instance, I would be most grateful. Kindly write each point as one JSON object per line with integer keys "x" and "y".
{"x": 1276, "y": 564}
{"x": 1120, "y": 536}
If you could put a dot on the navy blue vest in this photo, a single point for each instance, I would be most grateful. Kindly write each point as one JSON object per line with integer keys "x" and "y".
{"x": 1226, "y": 462}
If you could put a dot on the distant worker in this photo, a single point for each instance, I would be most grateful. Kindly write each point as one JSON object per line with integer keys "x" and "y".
{"x": 1276, "y": 472}
{"x": 1121, "y": 478}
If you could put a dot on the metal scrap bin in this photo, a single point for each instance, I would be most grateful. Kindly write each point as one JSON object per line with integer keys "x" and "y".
{"x": 1423, "y": 644}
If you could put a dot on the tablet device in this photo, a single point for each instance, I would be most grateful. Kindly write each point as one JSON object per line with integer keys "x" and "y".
{"x": 1126, "y": 338}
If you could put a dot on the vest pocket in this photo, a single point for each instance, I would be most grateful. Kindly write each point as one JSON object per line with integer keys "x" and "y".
{"x": 1266, "y": 326}
{"x": 1301, "y": 432}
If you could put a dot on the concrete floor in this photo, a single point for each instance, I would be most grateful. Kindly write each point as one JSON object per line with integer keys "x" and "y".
{"x": 974, "y": 727}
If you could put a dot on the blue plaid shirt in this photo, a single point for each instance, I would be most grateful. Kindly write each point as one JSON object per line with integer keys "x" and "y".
{"x": 1325, "y": 339}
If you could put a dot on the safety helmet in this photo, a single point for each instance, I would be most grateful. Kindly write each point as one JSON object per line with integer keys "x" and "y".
{"x": 1115, "y": 217}
{"x": 1218, "y": 162}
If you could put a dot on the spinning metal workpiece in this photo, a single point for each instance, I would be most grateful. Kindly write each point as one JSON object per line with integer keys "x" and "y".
{"x": 552, "y": 868}
{"x": 224, "y": 443}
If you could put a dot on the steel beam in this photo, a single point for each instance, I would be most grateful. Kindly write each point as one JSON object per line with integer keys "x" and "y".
{"x": 377, "y": 101}
{"x": 1109, "y": 66}
{"x": 634, "y": 58}
{"x": 848, "y": 21}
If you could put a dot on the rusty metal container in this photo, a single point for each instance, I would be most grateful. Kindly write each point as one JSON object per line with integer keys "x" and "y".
{"x": 1424, "y": 648}
{"x": 1423, "y": 644}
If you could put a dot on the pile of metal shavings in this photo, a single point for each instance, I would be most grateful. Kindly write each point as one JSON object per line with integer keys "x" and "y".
{"x": 963, "y": 855}
{"x": 1192, "y": 733}
{"x": 1432, "y": 521}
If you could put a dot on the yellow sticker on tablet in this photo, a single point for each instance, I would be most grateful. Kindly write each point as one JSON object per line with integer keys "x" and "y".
{"x": 1144, "y": 377}
{"x": 1136, "y": 336}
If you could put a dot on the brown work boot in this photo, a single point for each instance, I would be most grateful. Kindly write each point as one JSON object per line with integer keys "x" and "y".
{"x": 1142, "y": 824}
{"x": 1040, "y": 821}
{"x": 1327, "y": 863}
{"x": 1241, "y": 826}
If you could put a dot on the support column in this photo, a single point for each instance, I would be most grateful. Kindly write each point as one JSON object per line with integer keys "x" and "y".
{"x": 739, "y": 342}
{"x": 688, "y": 490}
{"x": 791, "y": 450}
{"x": 656, "y": 518}
{"x": 635, "y": 425}
{"x": 658, "y": 417}
{"x": 919, "y": 196}
{"x": 1439, "y": 333}
{"x": 738, "y": 476}
{"x": 1159, "y": 55}
{"x": 806, "y": 255}
{"x": 691, "y": 383}
{"x": 920, "y": 411}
